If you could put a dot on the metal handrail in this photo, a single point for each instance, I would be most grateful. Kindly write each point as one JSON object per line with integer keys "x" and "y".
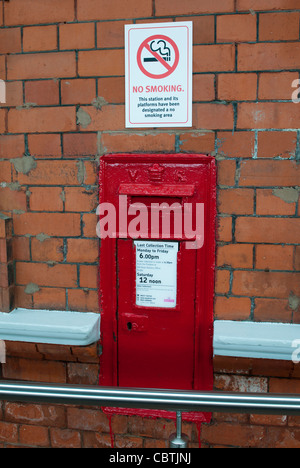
{"x": 171, "y": 400}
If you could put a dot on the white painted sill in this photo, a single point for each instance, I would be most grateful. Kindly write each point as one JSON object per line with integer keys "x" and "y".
{"x": 261, "y": 340}
{"x": 50, "y": 326}
{"x": 237, "y": 339}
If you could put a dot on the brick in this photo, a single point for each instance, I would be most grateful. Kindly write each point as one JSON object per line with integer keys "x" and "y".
{"x": 280, "y": 115}
{"x": 32, "y": 370}
{"x": 236, "y": 145}
{"x": 43, "y": 65}
{"x": 137, "y": 142}
{"x": 90, "y": 170}
{"x": 233, "y": 435}
{"x": 226, "y": 172}
{"x": 235, "y": 255}
{"x": 93, "y": 10}
{"x": 224, "y": 232}
{"x": 101, "y": 63}
{"x": 80, "y": 144}
{"x": 3, "y": 114}
{"x": 87, "y": 419}
{"x": 51, "y": 224}
{"x": 77, "y": 36}
{"x": 7, "y": 299}
{"x": 213, "y": 116}
{"x": 39, "y": 38}
{"x": 21, "y": 248}
{"x": 83, "y": 300}
{"x": 268, "y": 230}
{"x": 268, "y": 56}
{"x": 203, "y": 87}
{"x": 11, "y": 146}
{"x": 38, "y": 414}
{"x": 237, "y": 87}
{"x": 2, "y": 67}
{"x": 6, "y": 250}
{"x": 39, "y": 120}
{"x": 276, "y": 85}
{"x": 48, "y": 250}
{"x": 89, "y": 224}
{"x": 5, "y": 227}
{"x": 45, "y": 146}
{"x": 297, "y": 259}
{"x": 5, "y": 171}
{"x": 62, "y": 276}
{"x": 191, "y": 7}
{"x": 269, "y": 203}
{"x": 203, "y": 28}
{"x": 109, "y": 118}
{"x": 12, "y": 199}
{"x": 215, "y": 57}
{"x": 284, "y": 385}
{"x": 37, "y": 12}
{"x": 83, "y": 251}
{"x": 78, "y": 91}
{"x": 52, "y": 173}
{"x": 46, "y": 199}
{"x": 268, "y": 173}
{"x": 111, "y": 34}
{"x": 198, "y": 142}
{"x": 272, "y": 310}
{"x": 31, "y": 435}
{"x": 42, "y": 93}
{"x": 274, "y": 144}
{"x": 8, "y": 432}
{"x": 50, "y": 299}
{"x": 89, "y": 276}
{"x": 232, "y": 308}
{"x": 261, "y": 5}
{"x": 80, "y": 200}
{"x": 65, "y": 438}
{"x": 112, "y": 89}
{"x": 83, "y": 374}
{"x": 6, "y": 275}
{"x": 10, "y": 41}
{"x": 265, "y": 284}
{"x": 236, "y": 28}
{"x": 14, "y": 94}
{"x": 279, "y": 26}
{"x": 236, "y": 201}
{"x": 222, "y": 281}
{"x": 274, "y": 257}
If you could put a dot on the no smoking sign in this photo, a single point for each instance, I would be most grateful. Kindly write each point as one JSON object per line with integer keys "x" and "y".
{"x": 159, "y": 75}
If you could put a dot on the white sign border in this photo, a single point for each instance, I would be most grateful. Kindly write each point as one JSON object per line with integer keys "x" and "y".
{"x": 152, "y": 30}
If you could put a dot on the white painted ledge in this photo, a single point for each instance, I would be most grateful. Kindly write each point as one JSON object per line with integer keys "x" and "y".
{"x": 50, "y": 326}
{"x": 256, "y": 340}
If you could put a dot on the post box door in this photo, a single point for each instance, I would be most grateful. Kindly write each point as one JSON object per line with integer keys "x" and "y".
{"x": 156, "y": 344}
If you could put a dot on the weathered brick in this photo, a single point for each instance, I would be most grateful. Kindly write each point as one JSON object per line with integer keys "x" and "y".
{"x": 43, "y": 65}
{"x": 39, "y": 38}
{"x": 93, "y": 10}
{"x": 40, "y": 120}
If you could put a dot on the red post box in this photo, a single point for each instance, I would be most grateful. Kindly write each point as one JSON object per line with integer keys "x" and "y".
{"x": 157, "y": 226}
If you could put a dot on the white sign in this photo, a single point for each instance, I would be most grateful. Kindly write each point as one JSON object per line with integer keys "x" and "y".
{"x": 156, "y": 273}
{"x": 158, "y": 75}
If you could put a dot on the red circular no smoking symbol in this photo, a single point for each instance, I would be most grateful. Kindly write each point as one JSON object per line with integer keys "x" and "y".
{"x": 155, "y": 50}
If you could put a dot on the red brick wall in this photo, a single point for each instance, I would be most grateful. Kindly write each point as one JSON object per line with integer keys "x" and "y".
{"x": 57, "y": 57}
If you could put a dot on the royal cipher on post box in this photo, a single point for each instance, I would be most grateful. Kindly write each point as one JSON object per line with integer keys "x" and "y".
{"x": 157, "y": 227}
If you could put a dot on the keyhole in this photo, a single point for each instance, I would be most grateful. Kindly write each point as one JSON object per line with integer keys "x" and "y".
{"x": 129, "y": 326}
